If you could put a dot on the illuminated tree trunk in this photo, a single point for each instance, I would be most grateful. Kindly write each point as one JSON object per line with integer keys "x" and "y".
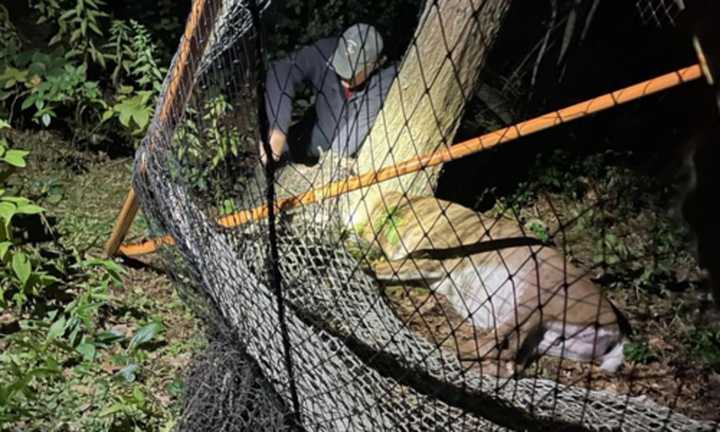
{"x": 424, "y": 106}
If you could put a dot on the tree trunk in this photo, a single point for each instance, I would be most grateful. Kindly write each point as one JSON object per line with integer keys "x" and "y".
{"x": 423, "y": 108}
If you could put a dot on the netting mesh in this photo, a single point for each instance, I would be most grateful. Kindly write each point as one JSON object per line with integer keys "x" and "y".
{"x": 363, "y": 305}
{"x": 660, "y": 12}
{"x": 225, "y": 390}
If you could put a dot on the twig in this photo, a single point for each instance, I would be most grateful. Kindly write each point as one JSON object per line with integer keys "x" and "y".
{"x": 546, "y": 40}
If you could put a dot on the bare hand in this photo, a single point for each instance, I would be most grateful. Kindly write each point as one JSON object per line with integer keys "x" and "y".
{"x": 278, "y": 141}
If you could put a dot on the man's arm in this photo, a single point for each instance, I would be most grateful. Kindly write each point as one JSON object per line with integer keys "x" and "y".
{"x": 283, "y": 78}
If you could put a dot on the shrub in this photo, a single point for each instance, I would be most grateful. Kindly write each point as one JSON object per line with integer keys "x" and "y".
{"x": 83, "y": 85}
{"x": 20, "y": 277}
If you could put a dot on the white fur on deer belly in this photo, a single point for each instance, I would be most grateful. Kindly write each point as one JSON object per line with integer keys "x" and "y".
{"x": 489, "y": 299}
{"x": 583, "y": 343}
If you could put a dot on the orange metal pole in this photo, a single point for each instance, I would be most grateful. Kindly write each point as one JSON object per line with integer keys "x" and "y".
{"x": 197, "y": 31}
{"x": 457, "y": 151}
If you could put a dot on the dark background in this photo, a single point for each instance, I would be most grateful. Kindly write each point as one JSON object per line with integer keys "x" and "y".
{"x": 619, "y": 50}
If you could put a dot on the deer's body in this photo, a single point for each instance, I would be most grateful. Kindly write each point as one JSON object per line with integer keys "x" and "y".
{"x": 522, "y": 293}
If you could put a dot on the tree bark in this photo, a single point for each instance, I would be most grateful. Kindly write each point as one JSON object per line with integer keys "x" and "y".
{"x": 424, "y": 106}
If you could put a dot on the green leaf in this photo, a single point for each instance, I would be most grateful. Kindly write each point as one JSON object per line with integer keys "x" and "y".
{"x": 55, "y": 39}
{"x": 108, "y": 338}
{"x": 87, "y": 350}
{"x": 129, "y": 372}
{"x": 142, "y": 118}
{"x": 95, "y": 28}
{"x": 124, "y": 118}
{"x": 44, "y": 372}
{"x": 115, "y": 270}
{"x": 46, "y": 280}
{"x": 16, "y": 158}
{"x": 175, "y": 387}
{"x": 45, "y": 119}
{"x": 4, "y": 124}
{"x": 7, "y": 211}
{"x": 57, "y": 329}
{"x": 139, "y": 396}
{"x": 54, "y": 198}
{"x": 28, "y": 102}
{"x": 22, "y": 267}
{"x": 67, "y": 15}
{"x": 29, "y": 209}
{"x": 112, "y": 409}
{"x": 144, "y": 335}
{"x": 52, "y": 364}
{"x": 4, "y": 247}
{"x": 18, "y": 201}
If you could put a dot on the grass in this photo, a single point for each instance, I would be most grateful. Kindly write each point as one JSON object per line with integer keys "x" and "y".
{"x": 84, "y": 190}
{"x": 124, "y": 370}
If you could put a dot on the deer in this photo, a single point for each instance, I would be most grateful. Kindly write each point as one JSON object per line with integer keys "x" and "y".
{"x": 520, "y": 293}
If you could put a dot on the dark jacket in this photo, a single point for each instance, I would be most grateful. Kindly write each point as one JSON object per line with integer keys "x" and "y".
{"x": 341, "y": 124}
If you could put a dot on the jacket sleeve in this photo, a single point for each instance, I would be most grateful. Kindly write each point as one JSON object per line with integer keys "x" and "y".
{"x": 283, "y": 79}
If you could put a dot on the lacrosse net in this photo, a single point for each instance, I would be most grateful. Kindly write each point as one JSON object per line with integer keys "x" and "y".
{"x": 305, "y": 336}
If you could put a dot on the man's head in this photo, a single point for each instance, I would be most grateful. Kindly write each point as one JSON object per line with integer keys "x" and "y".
{"x": 357, "y": 54}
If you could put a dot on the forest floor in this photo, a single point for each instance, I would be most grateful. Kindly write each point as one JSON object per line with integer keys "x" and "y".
{"x": 620, "y": 229}
{"x": 122, "y": 387}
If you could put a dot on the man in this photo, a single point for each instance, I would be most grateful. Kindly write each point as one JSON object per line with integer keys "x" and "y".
{"x": 349, "y": 84}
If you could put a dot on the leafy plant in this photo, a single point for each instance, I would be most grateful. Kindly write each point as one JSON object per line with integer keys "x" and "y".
{"x": 43, "y": 86}
{"x": 538, "y": 227}
{"x": 33, "y": 365}
{"x": 704, "y": 344}
{"x": 134, "y": 53}
{"x": 639, "y": 352}
{"x": 132, "y": 109}
{"x": 205, "y": 140}
{"x": 119, "y": 50}
{"x": 20, "y": 278}
{"x": 9, "y": 37}
{"x": 610, "y": 249}
{"x": 63, "y": 357}
{"x": 79, "y": 27}
{"x": 213, "y": 141}
{"x": 44, "y": 83}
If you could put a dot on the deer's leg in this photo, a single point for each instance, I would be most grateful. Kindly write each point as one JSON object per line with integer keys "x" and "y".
{"x": 506, "y": 340}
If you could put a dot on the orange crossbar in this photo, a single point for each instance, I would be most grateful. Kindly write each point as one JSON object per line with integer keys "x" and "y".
{"x": 457, "y": 151}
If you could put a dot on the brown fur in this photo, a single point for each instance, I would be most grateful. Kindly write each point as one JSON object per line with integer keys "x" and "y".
{"x": 427, "y": 239}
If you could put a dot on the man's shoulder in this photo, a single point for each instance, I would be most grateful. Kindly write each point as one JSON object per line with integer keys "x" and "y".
{"x": 390, "y": 70}
{"x": 330, "y": 42}
{"x": 324, "y": 48}
{"x": 385, "y": 76}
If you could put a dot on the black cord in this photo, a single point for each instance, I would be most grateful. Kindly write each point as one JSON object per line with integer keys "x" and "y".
{"x": 273, "y": 270}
